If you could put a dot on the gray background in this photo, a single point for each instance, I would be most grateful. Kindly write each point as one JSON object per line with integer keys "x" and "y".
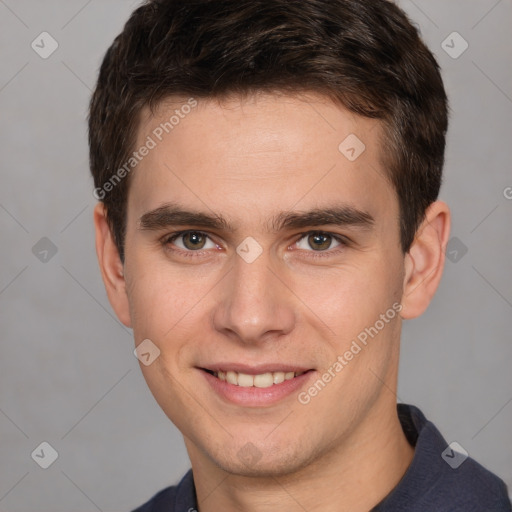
{"x": 67, "y": 372}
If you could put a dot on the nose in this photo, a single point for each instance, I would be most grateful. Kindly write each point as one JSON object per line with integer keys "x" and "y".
{"x": 254, "y": 305}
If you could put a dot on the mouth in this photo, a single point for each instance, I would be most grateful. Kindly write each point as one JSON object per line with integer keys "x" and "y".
{"x": 259, "y": 380}
{"x": 256, "y": 386}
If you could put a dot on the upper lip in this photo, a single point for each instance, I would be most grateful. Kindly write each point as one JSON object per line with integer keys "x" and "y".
{"x": 256, "y": 369}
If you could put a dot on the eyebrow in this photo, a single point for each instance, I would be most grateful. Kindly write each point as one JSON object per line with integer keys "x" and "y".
{"x": 174, "y": 215}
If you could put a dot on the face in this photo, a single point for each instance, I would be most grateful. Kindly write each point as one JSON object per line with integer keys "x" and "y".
{"x": 257, "y": 245}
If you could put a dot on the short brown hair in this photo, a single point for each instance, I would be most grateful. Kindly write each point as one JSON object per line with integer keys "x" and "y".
{"x": 365, "y": 54}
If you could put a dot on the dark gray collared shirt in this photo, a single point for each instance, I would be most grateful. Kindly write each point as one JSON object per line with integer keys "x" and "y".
{"x": 439, "y": 479}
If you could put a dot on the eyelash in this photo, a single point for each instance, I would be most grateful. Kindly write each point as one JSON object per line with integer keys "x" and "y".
{"x": 343, "y": 241}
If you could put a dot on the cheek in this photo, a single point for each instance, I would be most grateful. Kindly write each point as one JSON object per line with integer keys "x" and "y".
{"x": 352, "y": 298}
{"x": 161, "y": 300}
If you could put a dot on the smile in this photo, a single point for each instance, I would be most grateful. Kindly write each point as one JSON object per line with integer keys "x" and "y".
{"x": 256, "y": 386}
{"x": 262, "y": 380}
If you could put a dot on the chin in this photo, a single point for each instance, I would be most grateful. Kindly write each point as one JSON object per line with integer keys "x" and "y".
{"x": 263, "y": 461}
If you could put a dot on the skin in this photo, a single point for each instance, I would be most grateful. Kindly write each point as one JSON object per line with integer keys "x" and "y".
{"x": 248, "y": 160}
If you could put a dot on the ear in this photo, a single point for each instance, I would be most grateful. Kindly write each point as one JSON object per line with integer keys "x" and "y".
{"x": 424, "y": 262}
{"x": 111, "y": 266}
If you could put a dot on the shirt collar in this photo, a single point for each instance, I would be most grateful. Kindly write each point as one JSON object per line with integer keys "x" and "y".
{"x": 421, "y": 433}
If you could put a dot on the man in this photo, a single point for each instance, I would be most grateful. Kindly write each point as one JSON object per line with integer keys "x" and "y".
{"x": 268, "y": 173}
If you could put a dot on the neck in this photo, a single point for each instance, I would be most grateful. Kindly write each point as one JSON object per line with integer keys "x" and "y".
{"x": 355, "y": 475}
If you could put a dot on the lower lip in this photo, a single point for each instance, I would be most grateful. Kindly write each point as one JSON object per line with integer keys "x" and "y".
{"x": 256, "y": 397}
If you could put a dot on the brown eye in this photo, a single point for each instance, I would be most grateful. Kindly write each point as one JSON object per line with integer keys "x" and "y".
{"x": 190, "y": 241}
{"x": 319, "y": 241}
{"x": 193, "y": 240}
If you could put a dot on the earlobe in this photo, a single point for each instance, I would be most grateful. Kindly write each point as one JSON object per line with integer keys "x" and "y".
{"x": 424, "y": 262}
{"x": 111, "y": 266}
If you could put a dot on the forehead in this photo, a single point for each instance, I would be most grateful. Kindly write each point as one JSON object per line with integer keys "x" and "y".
{"x": 264, "y": 153}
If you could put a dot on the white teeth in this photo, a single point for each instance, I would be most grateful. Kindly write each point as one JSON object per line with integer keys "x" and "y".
{"x": 232, "y": 378}
{"x": 278, "y": 377}
{"x": 263, "y": 380}
{"x": 245, "y": 381}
